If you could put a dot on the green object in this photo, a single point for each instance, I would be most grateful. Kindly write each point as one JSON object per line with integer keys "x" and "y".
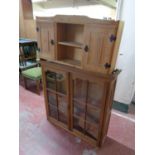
{"x": 32, "y": 73}
{"x": 120, "y": 106}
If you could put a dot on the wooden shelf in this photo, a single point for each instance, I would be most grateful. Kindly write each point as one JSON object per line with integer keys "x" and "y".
{"x": 55, "y": 92}
{"x": 87, "y": 121}
{"x": 71, "y": 62}
{"x": 72, "y": 44}
{"x": 89, "y": 105}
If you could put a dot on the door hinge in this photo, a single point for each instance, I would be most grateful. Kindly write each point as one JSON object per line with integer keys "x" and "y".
{"x": 86, "y": 48}
{"x": 37, "y": 29}
{"x": 106, "y": 65}
{"x": 52, "y": 42}
{"x": 112, "y": 38}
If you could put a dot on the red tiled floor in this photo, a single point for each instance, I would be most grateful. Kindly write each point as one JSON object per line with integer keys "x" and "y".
{"x": 122, "y": 129}
{"x": 39, "y": 137}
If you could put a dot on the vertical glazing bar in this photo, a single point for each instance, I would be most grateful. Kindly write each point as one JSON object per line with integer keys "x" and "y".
{"x": 69, "y": 122}
{"x": 72, "y": 101}
{"x": 87, "y": 89}
{"x": 56, "y": 95}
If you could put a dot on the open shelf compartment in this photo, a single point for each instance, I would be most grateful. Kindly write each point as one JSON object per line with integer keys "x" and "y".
{"x": 70, "y": 43}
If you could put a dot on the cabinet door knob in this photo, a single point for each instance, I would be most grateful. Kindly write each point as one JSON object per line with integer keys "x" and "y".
{"x": 86, "y": 48}
{"x": 106, "y": 65}
{"x": 37, "y": 29}
{"x": 52, "y": 41}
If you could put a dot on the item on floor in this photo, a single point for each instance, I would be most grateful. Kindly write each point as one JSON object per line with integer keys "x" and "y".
{"x": 33, "y": 74}
{"x": 27, "y": 54}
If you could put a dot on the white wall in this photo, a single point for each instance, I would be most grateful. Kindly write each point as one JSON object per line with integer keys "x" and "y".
{"x": 126, "y": 60}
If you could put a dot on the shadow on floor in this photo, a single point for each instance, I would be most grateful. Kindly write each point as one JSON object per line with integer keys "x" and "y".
{"x": 112, "y": 147}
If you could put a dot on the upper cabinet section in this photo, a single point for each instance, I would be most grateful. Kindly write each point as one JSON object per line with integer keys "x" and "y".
{"x": 46, "y": 39}
{"x": 79, "y": 41}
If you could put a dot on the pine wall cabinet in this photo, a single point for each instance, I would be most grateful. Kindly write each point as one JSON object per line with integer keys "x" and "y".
{"x": 78, "y": 56}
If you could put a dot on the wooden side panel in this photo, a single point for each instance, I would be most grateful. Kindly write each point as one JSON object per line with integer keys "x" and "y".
{"x": 45, "y": 35}
{"x": 21, "y": 21}
{"x": 116, "y": 46}
{"x": 27, "y": 9}
{"x": 100, "y": 47}
{"x": 107, "y": 110}
{"x": 30, "y": 29}
{"x": 44, "y": 90}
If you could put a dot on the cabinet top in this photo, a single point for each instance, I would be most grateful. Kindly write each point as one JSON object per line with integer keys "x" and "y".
{"x": 75, "y": 19}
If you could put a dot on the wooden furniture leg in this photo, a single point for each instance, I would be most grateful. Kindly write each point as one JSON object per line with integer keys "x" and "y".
{"x": 38, "y": 86}
{"x": 25, "y": 83}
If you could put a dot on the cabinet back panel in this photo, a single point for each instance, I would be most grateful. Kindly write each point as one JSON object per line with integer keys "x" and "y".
{"x": 74, "y": 53}
{"x": 69, "y": 53}
{"x": 70, "y": 32}
{"x": 74, "y": 32}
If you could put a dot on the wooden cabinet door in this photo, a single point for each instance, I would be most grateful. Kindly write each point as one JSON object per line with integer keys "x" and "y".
{"x": 46, "y": 40}
{"x": 87, "y": 98}
{"x": 98, "y": 47}
{"x": 56, "y": 95}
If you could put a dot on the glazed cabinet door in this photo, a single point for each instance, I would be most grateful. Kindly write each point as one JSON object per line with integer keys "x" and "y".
{"x": 98, "y": 47}
{"x": 87, "y": 101}
{"x": 56, "y": 95}
{"x": 46, "y": 40}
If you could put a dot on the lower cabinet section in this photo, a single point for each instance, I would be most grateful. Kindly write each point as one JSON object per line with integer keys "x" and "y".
{"x": 78, "y": 101}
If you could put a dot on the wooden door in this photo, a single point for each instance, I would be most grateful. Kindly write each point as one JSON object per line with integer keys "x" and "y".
{"x": 87, "y": 105}
{"x": 98, "y": 47}
{"x": 46, "y": 40}
{"x": 56, "y": 95}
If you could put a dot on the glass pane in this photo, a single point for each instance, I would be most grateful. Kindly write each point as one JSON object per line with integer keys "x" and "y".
{"x": 51, "y": 80}
{"x": 53, "y": 112}
{"x": 52, "y": 99}
{"x": 91, "y": 131}
{"x": 93, "y": 116}
{"x": 80, "y": 89}
{"x": 61, "y": 82}
{"x": 95, "y": 94}
{"x": 78, "y": 124}
{"x": 56, "y": 81}
{"x": 79, "y": 110}
{"x": 62, "y": 104}
{"x": 62, "y": 117}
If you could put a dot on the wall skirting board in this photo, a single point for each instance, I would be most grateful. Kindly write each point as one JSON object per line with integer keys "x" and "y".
{"x": 120, "y": 106}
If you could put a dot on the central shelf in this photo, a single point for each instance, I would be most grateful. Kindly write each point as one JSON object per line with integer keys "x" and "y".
{"x": 71, "y": 43}
{"x": 71, "y": 62}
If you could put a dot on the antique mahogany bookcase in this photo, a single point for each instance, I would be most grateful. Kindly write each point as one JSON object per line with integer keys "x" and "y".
{"x": 78, "y": 56}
